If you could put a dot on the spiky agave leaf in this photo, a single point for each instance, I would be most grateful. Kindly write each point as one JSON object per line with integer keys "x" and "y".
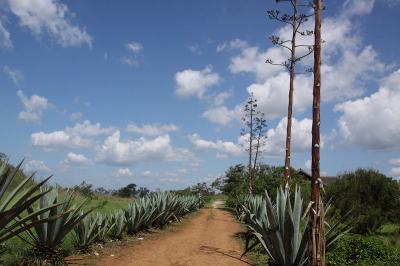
{"x": 47, "y": 236}
{"x": 279, "y": 227}
{"x": 15, "y": 202}
{"x": 138, "y": 216}
{"x": 87, "y": 231}
{"x": 118, "y": 222}
{"x": 104, "y": 227}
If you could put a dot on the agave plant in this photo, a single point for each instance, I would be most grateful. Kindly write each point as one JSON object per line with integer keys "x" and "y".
{"x": 167, "y": 206}
{"x": 15, "y": 202}
{"x": 140, "y": 215}
{"x": 46, "y": 237}
{"x": 283, "y": 229}
{"x": 118, "y": 223}
{"x": 104, "y": 227}
{"x": 87, "y": 231}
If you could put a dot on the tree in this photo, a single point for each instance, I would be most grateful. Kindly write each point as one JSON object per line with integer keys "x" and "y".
{"x": 371, "y": 198}
{"x": 128, "y": 191}
{"x": 317, "y": 244}
{"x": 254, "y": 131}
{"x": 85, "y": 189}
{"x": 142, "y": 192}
{"x": 295, "y": 20}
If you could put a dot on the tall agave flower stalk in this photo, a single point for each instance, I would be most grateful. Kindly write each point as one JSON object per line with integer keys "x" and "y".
{"x": 15, "y": 202}
{"x": 46, "y": 237}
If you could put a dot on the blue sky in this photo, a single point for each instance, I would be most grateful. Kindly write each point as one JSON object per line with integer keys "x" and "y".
{"x": 151, "y": 92}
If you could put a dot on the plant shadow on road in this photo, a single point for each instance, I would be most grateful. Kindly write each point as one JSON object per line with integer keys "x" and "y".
{"x": 229, "y": 253}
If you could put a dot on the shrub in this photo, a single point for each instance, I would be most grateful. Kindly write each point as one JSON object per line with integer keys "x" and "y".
{"x": 266, "y": 178}
{"x": 362, "y": 251}
{"x": 372, "y": 198}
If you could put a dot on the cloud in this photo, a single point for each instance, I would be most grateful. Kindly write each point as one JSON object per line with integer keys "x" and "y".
{"x": 272, "y": 95}
{"x": 346, "y": 69}
{"x": 134, "y": 47}
{"x": 14, "y": 74}
{"x": 274, "y": 145}
{"x": 224, "y": 148}
{"x": 195, "y": 82}
{"x": 133, "y": 59}
{"x": 123, "y": 172}
{"x": 221, "y": 115}
{"x": 218, "y": 113}
{"x": 307, "y": 165}
{"x": 34, "y": 107}
{"x": 234, "y": 44}
{"x": 395, "y": 163}
{"x": 148, "y": 173}
{"x": 301, "y": 137}
{"x": 76, "y": 160}
{"x": 220, "y": 98}
{"x": 358, "y": 7}
{"x": 51, "y": 17}
{"x": 195, "y": 49}
{"x": 5, "y": 37}
{"x": 36, "y": 166}
{"x": 128, "y": 152}
{"x": 81, "y": 135}
{"x": 152, "y": 129}
{"x": 373, "y": 122}
{"x": 76, "y": 116}
{"x": 392, "y": 3}
{"x": 126, "y": 60}
{"x": 252, "y": 60}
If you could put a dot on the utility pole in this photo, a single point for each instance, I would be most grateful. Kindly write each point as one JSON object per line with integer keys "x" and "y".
{"x": 317, "y": 243}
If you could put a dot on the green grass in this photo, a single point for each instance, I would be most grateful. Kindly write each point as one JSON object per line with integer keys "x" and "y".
{"x": 390, "y": 234}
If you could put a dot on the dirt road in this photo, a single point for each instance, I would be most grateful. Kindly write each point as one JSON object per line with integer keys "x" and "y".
{"x": 206, "y": 239}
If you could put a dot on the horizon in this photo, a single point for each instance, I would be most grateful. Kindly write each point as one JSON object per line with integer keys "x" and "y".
{"x": 128, "y": 93}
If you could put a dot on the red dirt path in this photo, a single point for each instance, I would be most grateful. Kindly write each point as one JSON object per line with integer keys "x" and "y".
{"x": 205, "y": 239}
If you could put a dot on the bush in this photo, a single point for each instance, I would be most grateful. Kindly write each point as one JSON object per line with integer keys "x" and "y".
{"x": 266, "y": 178}
{"x": 372, "y": 198}
{"x": 362, "y": 251}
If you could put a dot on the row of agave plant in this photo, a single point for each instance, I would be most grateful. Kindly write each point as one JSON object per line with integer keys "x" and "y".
{"x": 282, "y": 228}
{"x": 153, "y": 211}
{"x": 42, "y": 217}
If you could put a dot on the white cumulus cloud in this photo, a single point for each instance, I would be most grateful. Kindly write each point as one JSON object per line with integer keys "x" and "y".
{"x": 123, "y": 172}
{"x": 34, "y": 107}
{"x": 51, "y": 17}
{"x": 36, "y": 166}
{"x": 195, "y": 82}
{"x": 81, "y": 135}
{"x": 115, "y": 151}
{"x": 152, "y": 129}
{"x": 74, "y": 159}
{"x": 373, "y": 122}
{"x": 224, "y": 148}
{"x": 14, "y": 74}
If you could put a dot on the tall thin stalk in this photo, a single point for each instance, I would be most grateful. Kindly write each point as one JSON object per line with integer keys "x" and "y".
{"x": 317, "y": 245}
